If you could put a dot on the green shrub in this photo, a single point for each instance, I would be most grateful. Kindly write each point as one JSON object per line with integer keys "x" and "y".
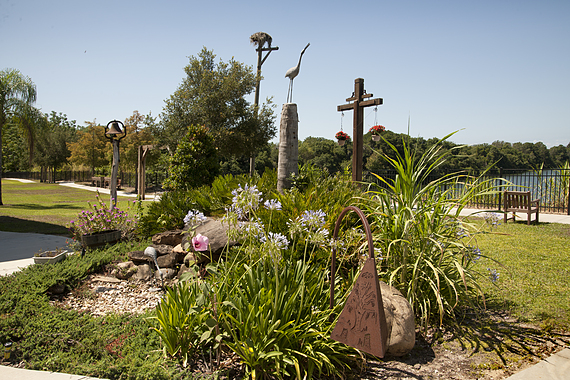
{"x": 195, "y": 162}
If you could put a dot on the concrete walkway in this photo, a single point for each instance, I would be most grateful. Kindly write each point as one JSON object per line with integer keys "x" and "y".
{"x": 17, "y": 250}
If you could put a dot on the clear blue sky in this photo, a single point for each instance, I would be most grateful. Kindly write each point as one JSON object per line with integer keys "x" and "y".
{"x": 494, "y": 69}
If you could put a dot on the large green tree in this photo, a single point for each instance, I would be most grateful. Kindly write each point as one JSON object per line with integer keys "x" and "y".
{"x": 213, "y": 94}
{"x": 16, "y": 93}
{"x": 54, "y": 134}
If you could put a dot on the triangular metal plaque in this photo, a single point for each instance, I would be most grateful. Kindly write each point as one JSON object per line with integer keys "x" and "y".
{"x": 362, "y": 322}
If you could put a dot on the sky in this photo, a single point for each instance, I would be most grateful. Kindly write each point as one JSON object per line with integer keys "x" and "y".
{"x": 489, "y": 69}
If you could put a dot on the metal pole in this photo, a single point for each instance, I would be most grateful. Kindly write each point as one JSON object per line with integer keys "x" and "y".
{"x": 114, "y": 171}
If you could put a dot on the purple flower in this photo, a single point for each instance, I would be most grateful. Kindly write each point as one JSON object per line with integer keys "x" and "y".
{"x": 200, "y": 242}
{"x": 272, "y": 204}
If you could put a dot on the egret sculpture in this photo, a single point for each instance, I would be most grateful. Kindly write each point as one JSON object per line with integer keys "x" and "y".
{"x": 292, "y": 73}
{"x": 151, "y": 252}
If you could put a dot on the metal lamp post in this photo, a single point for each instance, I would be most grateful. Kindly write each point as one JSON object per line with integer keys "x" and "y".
{"x": 115, "y": 133}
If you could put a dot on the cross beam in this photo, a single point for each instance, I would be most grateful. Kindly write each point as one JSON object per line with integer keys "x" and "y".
{"x": 358, "y": 104}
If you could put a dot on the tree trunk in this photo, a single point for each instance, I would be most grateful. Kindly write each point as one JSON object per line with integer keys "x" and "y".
{"x": 288, "y": 146}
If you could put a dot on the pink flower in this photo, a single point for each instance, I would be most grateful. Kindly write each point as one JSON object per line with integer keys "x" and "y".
{"x": 200, "y": 242}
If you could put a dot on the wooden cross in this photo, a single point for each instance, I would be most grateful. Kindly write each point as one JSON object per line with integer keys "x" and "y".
{"x": 358, "y": 104}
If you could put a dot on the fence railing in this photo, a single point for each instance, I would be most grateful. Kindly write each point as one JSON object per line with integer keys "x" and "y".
{"x": 153, "y": 180}
{"x": 551, "y": 186}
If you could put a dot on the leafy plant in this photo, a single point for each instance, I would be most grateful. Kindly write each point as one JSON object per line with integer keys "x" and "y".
{"x": 427, "y": 250}
{"x": 184, "y": 319}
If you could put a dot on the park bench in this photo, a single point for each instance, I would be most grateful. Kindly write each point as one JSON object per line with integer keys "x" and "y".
{"x": 520, "y": 201}
{"x": 98, "y": 181}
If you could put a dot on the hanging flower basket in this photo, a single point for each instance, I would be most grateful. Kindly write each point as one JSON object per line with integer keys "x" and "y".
{"x": 376, "y": 130}
{"x": 341, "y": 137}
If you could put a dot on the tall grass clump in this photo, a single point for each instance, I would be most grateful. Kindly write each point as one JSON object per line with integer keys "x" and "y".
{"x": 427, "y": 250}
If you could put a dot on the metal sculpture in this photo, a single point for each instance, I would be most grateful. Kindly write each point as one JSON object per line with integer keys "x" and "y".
{"x": 362, "y": 322}
{"x": 292, "y": 73}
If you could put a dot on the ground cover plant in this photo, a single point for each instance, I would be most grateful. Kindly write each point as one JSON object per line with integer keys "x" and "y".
{"x": 48, "y": 337}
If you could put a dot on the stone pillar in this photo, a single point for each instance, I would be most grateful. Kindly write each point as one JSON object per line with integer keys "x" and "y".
{"x": 288, "y": 146}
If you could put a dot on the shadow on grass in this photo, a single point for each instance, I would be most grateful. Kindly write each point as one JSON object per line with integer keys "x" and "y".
{"x": 40, "y": 207}
{"x": 11, "y": 224}
{"x": 495, "y": 331}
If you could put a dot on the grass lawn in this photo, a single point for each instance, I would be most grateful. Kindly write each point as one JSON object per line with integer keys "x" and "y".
{"x": 534, "y": 271}
{"x": 44, "y": 207}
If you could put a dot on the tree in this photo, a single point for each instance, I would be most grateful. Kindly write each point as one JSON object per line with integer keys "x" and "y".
{"x": 213, "y": 95}
{"x": 16, "y": 92}
{"x": 138, "y": 133}
{"x": 91, "y": 148}
{"x": 195, "y": 162}
{"x": 324, "y": 154}
{"x": 52, "y": 143}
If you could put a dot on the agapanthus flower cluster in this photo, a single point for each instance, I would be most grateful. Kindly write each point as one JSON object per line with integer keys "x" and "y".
{"x": 473, "y": 253}
{"x": 276, "y": 239}
{"x": 493, "y": 275}
{"x": 492, "y": 219}
{"x": 195, "y": 218}
{"x": 312, "y": 220}
{"x": 245, "y": 200}
{"x": 272, "y": 204}
{"x": 100, "y": 218}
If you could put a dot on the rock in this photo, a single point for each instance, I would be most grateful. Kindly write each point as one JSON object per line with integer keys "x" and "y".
{"x": 215, "y": 231}
{"x": 144, "y": 273}
{"x": 167, "y": 273}
{"x": 400, "y": 320}
{"x": 167, "y": 261}
{"x": 105, "y": 279}
{"x": 138, "y": 257}
{"x": 180, "y": 253}
{"x": 125, "y": 270}
{"x": 171, "y": 238}
{"x": 183, "y": 269}
{"x": 162, "y": 249}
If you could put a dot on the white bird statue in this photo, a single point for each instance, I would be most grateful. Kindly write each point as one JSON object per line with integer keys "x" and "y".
{"x": 292, "y": 73}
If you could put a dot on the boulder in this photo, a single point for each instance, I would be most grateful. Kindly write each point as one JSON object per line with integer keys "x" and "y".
{"x": 190, "y": 259}
{"x": 171, "y": 238}
{"x": 400, "y": 320}
{"x": 215, "y": 231}
{"x": 183, "y": 269}
{"x": 180, "y": 253}
{"x": 138, "y": 257}
{"x": 167, "y": 261}
{"x": 144, "y": 273}
{"x": 167, "y": 273}
{"x": 162, "y": 249}
{"x": 125, "y": 270}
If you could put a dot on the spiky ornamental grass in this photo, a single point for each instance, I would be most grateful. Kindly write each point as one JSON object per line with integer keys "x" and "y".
{"x": 428, "y": 251}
